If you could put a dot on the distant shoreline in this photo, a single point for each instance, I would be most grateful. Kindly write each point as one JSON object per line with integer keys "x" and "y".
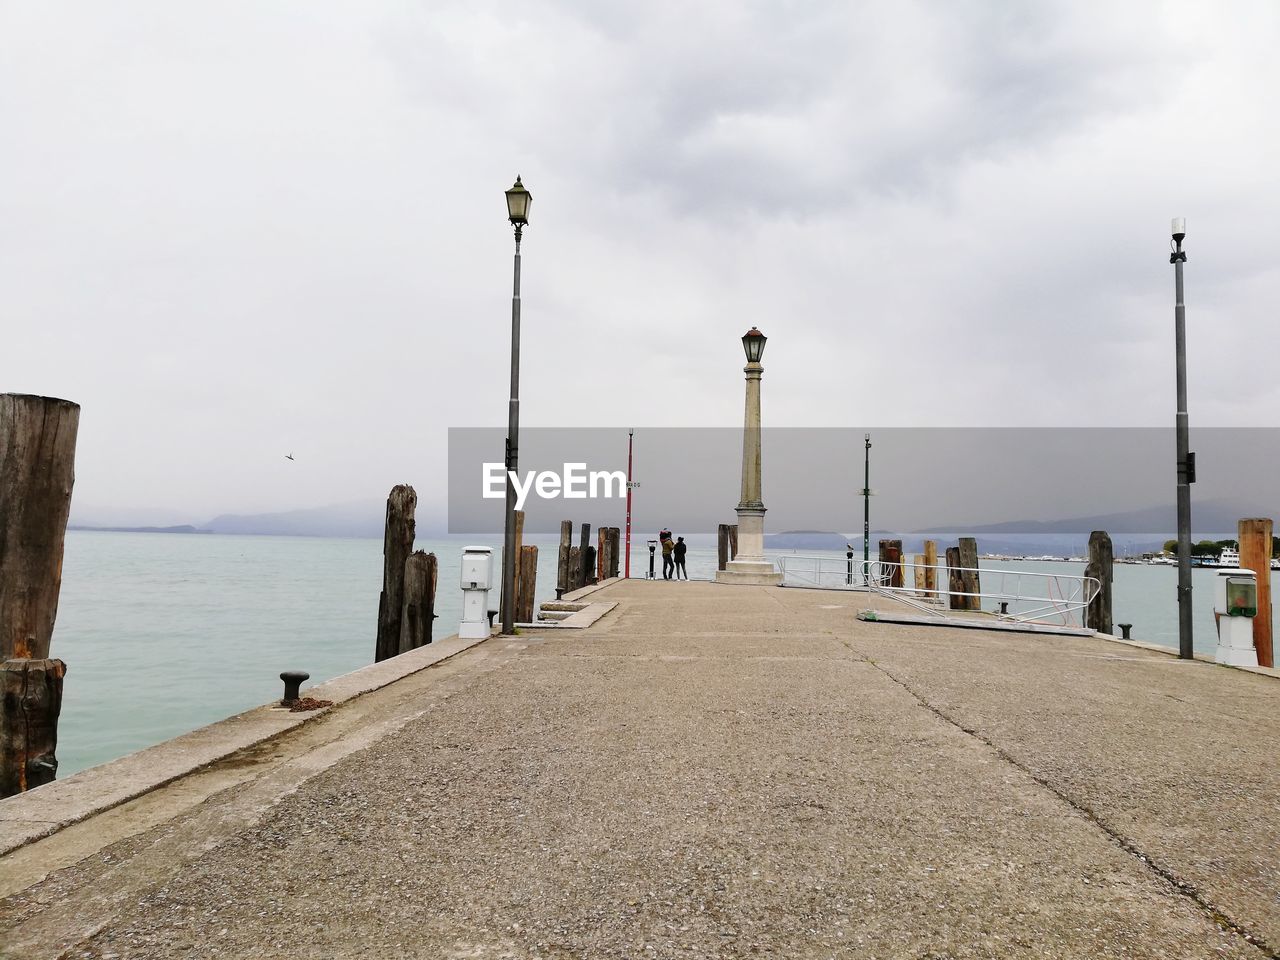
{"x": 181, "y": 528}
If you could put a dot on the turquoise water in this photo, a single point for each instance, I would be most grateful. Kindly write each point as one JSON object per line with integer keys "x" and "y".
{"x": 163, "y": 633}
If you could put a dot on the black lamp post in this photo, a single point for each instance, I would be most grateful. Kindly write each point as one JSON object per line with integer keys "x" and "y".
{"x": 518, "y": 202}
{"x": 1186, "y": 459}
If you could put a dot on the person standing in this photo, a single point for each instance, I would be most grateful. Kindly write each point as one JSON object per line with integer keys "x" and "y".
{"x": 668, "y": 547}
{"x": 678, "y": 551}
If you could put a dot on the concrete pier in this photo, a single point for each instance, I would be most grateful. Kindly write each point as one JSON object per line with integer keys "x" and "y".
{"x": 708, "y": 773}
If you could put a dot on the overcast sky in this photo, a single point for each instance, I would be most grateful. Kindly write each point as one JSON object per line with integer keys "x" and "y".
{"x": 236, "y": 230}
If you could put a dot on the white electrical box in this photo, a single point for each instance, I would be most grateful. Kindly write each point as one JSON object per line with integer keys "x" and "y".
{"x": 477, "y": 578}
{"x": 1235, "y": 604}
{"x": 477, "y": 568}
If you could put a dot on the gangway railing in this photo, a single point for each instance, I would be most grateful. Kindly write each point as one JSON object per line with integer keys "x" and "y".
{"x": 1019, "y": 596}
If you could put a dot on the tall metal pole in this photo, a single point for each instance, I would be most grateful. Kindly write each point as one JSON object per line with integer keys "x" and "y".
{"x": 513, "y": 447}
{"x": 631, "y": 435}
{"x": 866, "y": 507}
{"x": 1186, "y": 459}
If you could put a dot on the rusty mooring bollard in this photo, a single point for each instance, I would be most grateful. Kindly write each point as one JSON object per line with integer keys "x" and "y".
{"x": 1124, "y": 630}
{"x": 292, "y": 681}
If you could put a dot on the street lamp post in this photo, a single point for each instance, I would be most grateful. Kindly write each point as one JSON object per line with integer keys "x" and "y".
{"x": 866, "y": 506}
{"x": 518, "y": 201}
{"x": 1186, "y": 459}
{"x": 750, "y": 566}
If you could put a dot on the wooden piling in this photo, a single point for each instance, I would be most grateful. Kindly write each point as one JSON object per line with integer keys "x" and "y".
{"x": 575, "y": 568}
{"x": 602, "y": 552}
{"x": 397, "y": 544}
{"x": 615, "y": 552}
{"x": 955, "y": 582}
{"x": 30, "y": 701}
{"x": 733, "y": 541}
{"x": 589, "y": 566}
{"x": 584, "y": 572}
{"x": 1255, "y": 554}
{"x": 562, "y": 558}
{"x": 517, "y": 589}
{"x": 970, "y": 577}
{"x": 529, "y": 579}
{"x": 930, "y": 566}
{"x": 891, "y": 553}
{"x": 920, "y": 573}
{"x": 419, "y": 608}
{"x": 722, "y": 546}
{"x": 37, "y": 471}
{"x": 1097, "y": 616}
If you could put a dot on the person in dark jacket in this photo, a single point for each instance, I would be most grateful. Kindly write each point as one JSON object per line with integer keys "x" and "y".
{"x": 678, "y": 552}
{"x": 668, "y": 547}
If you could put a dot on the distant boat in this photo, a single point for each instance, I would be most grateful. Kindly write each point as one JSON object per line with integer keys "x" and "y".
{"x": 1229, "y": 557}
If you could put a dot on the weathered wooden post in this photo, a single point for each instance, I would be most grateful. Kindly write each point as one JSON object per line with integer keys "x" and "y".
{"x": 419, "y": 609}
{"x": 970, "y": 577}
{"x": 37, "y": 473}
{"x": 575, "y": 568}
{"x": 589, "y": 565}
{"x": 397, "y": 544}
{"x": 615, "y": 552}
{"x": 733, "y": 541}
{"x": 1097, "y": 616}
{"x": 518, "y": 587}
{"x": 602, "y": 552}
{"x": 920, "y": 573}
{"x": 529, "y": 581}
{"x": 1255, "y": 554}
{"x": 562, "y": 558}
{"x": 891, "y": 553}
{"x": 584, "y": 571}
{"x": 722, "y": 547}
{"x": 30, "y": 701}
{"x": 955, "y": 582}
{"x": 930, "y": 566}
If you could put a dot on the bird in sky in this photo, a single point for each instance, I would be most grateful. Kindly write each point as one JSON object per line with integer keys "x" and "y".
{"x": 289, "y": 456}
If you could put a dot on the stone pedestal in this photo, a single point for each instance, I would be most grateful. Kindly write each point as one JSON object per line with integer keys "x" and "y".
{"x": 750, "y": 566}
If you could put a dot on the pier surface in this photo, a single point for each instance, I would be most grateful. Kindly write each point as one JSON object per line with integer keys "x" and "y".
{"x": 709, "y": 771}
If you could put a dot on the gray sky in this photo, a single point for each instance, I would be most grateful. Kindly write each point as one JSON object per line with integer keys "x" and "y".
{"x": 236, "y": 230}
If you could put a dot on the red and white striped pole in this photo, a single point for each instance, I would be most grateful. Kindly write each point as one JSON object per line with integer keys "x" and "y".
{"x": 627, "y": 549}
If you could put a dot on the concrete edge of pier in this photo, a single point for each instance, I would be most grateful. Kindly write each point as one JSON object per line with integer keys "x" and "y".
{"x": 45, "y": 810}
{"x": 1202, "y": 657}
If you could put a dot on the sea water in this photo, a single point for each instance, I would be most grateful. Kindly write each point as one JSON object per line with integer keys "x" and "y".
{"x": 164, "y": 633}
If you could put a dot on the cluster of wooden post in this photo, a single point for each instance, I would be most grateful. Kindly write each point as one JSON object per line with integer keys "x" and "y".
{"x": 406, "y": 606}
{"x": 608, "y": 547}
{"x": 890, "y": 556}
{"x": 587, "y": 563}
{"x": 37, "y": 471}
{"x": 726, "y": 545}
{"x": 964, "y": 583}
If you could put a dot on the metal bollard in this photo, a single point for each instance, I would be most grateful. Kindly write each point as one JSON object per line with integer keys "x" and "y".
{"x": 1004, "y": 608}
{"x": 1124, "y": 630}
{"x": 292, "y": 681}
{"x": 559, "y": 593}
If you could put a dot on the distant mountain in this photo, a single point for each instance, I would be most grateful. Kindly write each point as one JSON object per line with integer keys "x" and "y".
{"x": 181, "y": 528}
{"x": 1209, "y": 516}
{"x": 361, "y": 519}
{"x": 805, "y": 540}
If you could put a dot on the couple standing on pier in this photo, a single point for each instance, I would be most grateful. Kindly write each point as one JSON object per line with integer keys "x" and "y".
{"x": 672, "y": 556}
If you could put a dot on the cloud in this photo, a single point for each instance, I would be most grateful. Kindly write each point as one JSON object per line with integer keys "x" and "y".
{"x": 232, "y": 231}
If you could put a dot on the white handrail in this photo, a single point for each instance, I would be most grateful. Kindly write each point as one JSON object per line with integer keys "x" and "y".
{"x": 1020, "y": 596}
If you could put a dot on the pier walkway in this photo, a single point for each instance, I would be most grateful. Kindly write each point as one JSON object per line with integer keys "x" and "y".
{"x": 709, "y": 771}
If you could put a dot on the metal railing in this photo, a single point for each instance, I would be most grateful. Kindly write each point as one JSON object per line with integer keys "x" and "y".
{"x": 1019, "y": 596}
